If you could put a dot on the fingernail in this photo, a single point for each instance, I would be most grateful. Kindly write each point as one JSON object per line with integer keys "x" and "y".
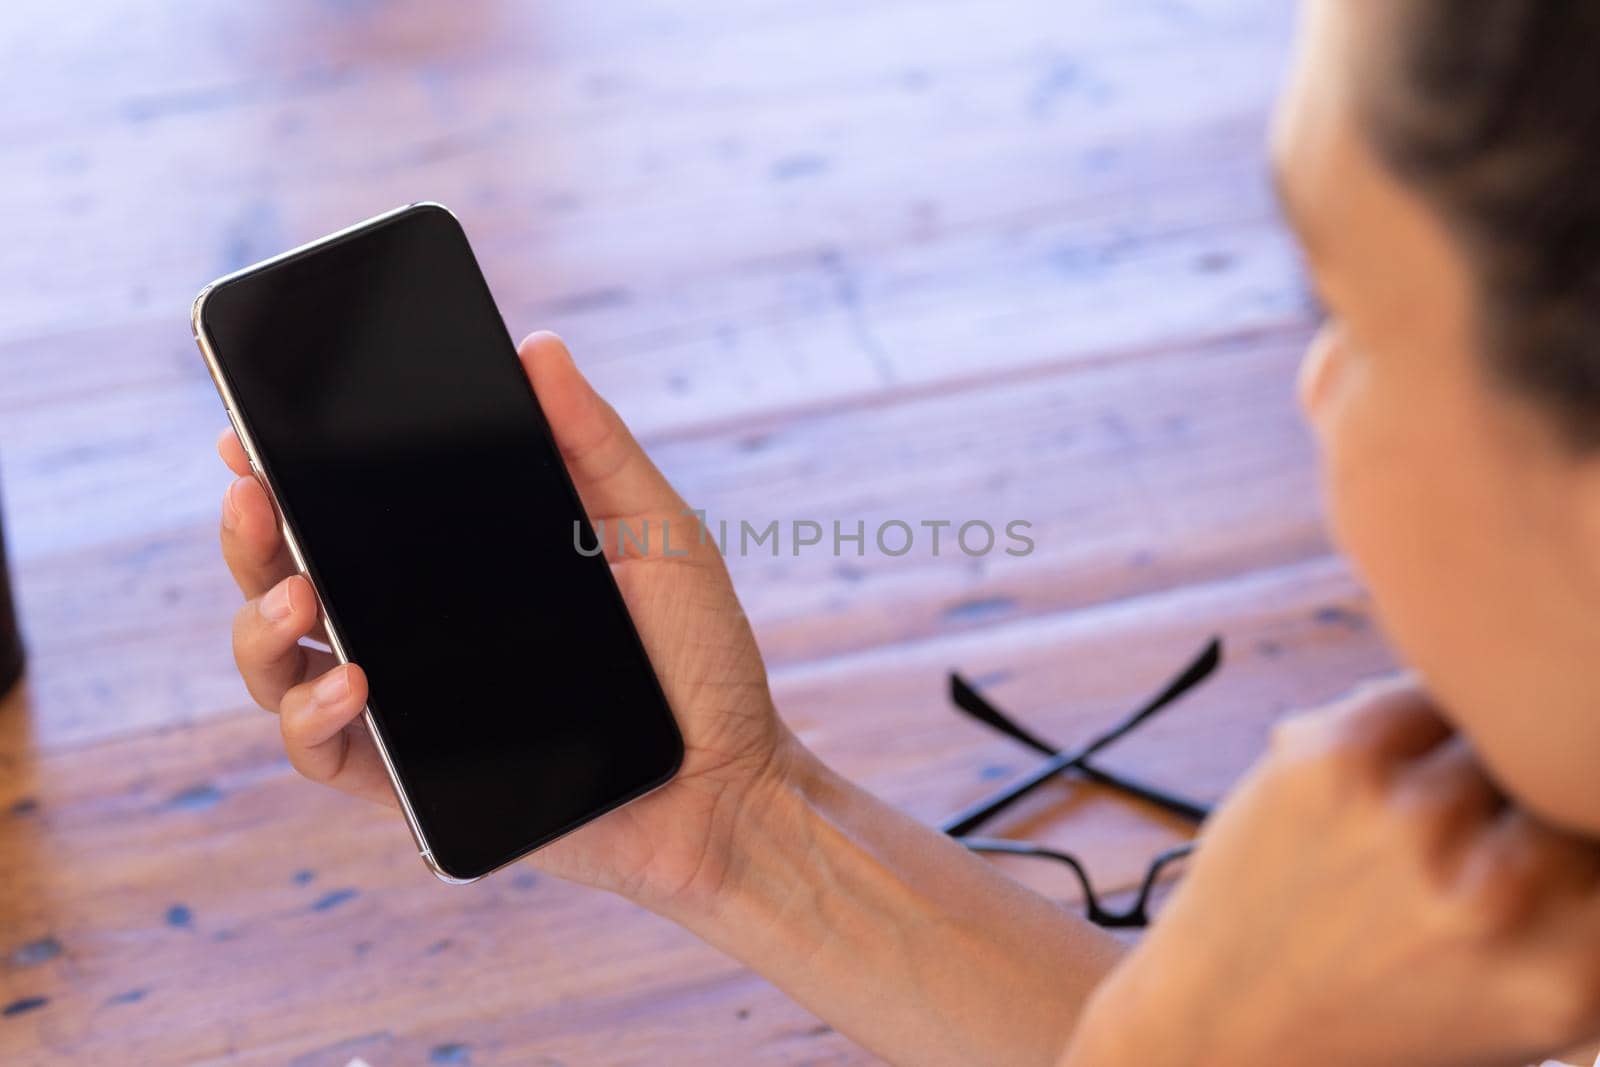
{"x": 332, "y": 687}
{"x": 230, "y": 505}
{"x": 275, "y": 606}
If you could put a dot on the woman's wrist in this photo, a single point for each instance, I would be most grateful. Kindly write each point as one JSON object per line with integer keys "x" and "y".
{"x": 837, "y": 898}
{"x": 799, "y": 863}
{"x": 745, "y": 820}
{"x": 760, "y": 853}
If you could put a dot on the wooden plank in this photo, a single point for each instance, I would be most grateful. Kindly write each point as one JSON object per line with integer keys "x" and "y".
{"x": 1130, "y": 485}
{"x": 79, "y": 409}
{"x": 261, "y": 958}
{"x": 828, "y": 321}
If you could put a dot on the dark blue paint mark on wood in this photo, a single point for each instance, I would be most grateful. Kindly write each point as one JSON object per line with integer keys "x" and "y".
{"x": 23, "y": 1004}
{"x": 591, "y": 300}
{"x": 524, "y": 880}
{"x": 755, "y": 442}
{"x": 253, "y": 234}
{"x": 1100, "y": 159}
{"x": 1063, "y": 78}
{"x": 179, "y": 916}
{"x": 799, "y": 166}
{"x": 994, "y": 772}
{"x": 303, "y": 876}
{"x": 333, "y": 899}
{"x": 131, "y": 996}
{"x": 1337, "y": 615}
{"x": 354, "y": 8}
{"x": 36, "y": 952}
{"x": 1080, "y": 262}
{"x": 25, "y": 806}
{"x": 981, "y": 609}
{"x": 451, "y": 1052}
{"x": 144, "y": 109}
{"x": 196, "y": 798}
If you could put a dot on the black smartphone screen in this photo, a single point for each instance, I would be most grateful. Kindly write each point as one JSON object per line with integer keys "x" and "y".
{"x": 409, "y": 456}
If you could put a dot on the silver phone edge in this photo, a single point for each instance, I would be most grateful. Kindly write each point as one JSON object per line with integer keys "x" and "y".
{"x": 214, "y": 369}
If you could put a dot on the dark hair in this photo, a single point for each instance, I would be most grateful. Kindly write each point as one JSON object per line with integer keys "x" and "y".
{"x": 1493, "y": 113}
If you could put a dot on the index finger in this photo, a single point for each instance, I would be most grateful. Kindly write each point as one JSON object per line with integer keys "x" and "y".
{"x": 252, "y": 545}
{"x": 232, "y": 452}
{"x": 1386, "y": 724}
{"x": 1395, "y": 720}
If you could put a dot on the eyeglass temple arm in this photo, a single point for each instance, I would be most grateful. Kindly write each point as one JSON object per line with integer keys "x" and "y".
{"x": 1202, "y": 667}
{"x": 964, "y": 696}
{"x": 1183, "y": 807}
{"x": 969, "y": 819}
{"x": 975, "y": 704}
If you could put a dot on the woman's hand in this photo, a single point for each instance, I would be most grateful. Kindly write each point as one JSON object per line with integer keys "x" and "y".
{"x": 670, "y": 844}
{"x": 1365, "y": 897}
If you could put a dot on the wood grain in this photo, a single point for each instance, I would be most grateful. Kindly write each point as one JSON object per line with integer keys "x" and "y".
{"x": 942, "y": 260}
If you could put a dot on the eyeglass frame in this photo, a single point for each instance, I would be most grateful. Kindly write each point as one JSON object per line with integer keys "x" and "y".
{"x": 965, "y": 696}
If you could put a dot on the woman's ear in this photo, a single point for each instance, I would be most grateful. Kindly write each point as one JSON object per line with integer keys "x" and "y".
{"x": 1317, "y": 369}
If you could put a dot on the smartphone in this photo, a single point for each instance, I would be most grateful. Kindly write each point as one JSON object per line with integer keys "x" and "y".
{"x": 380, "y": 399}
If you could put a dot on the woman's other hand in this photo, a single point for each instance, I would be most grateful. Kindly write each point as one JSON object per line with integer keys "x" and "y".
{"x": 1367, "y": 896}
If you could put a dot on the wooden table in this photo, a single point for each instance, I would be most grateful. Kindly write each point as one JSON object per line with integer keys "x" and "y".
{"x": 943, "y": 259}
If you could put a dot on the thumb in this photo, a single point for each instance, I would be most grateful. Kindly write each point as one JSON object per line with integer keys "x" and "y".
{"x": 612, "y": 474}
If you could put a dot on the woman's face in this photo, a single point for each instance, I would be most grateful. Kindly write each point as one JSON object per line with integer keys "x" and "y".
{"x": 1477, "y": 533}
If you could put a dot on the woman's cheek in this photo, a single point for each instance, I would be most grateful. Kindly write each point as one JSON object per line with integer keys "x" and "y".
{"x": 1382, "y": 503}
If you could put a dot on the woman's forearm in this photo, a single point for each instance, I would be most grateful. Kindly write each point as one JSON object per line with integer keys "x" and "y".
{"x": 893, "y": 933}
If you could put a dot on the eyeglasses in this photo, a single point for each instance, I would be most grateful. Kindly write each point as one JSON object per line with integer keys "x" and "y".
{"x": 1080, "y": 761}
